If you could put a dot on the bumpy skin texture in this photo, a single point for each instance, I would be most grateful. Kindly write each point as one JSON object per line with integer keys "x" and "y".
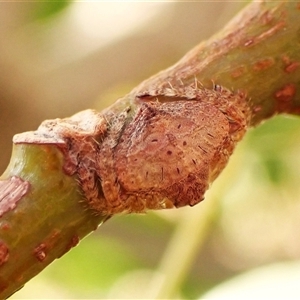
{"x": 170, "y": 150}
{"x": 166, "y": 151}
{"x": 162, "y": 150}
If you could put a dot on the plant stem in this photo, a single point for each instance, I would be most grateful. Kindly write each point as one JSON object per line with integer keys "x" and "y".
{"x": 158, "y": 147}
{"x": 257, "y": 53}
{"x": 48, "y": 220}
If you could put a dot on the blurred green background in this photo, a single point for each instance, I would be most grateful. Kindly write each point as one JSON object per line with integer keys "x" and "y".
{"x": 57, "y": 58}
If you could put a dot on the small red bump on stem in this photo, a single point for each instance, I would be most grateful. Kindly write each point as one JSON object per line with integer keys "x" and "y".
{"x": 74, "y": 241}
{"x": 5, "y": 226}
{"x": 13, "y": 189}
{"x": 4, "y": 253}
{"x": 284, "y": 98}
{"x": 239, "y": 71}
{"x": 292, "y": 67}
{"x": 40, "y": 252}
{"x": 263, "y": 64}
{"x": 286, "y": 93}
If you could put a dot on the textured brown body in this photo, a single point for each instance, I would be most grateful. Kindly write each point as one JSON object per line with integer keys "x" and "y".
{"x": 169, "y": 151}
{"x": 166, "y": 152}
{"x": 162, "y": 151}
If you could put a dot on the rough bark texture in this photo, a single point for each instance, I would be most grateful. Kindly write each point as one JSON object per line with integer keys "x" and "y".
{"x": 158, "y": 147}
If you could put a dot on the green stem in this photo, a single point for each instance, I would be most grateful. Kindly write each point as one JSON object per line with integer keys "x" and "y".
{"x": 47, "y": 221}
{"x": 257, "y": 53}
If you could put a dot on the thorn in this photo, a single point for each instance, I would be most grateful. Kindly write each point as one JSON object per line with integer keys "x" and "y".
{"x": 169, "y": 83}
{"x": 196, "y": 82}
{"x": 95, "y": 141}
{"x": 109, "y": 124}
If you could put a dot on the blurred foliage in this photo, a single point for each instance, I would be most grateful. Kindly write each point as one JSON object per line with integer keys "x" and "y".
{"x": 90, "y": 266}
{"x": 43, "y": 10}
{"x": 272, "y": 141}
